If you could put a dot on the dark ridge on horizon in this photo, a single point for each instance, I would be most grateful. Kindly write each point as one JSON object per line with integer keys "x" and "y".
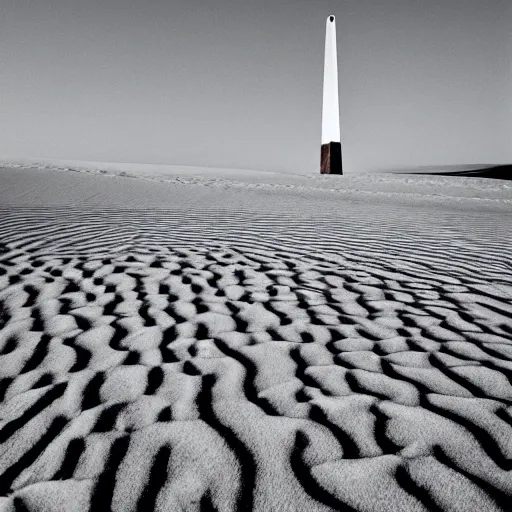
{"x": 497, "y": 172}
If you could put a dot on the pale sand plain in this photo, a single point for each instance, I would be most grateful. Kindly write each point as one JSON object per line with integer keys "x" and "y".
{"x": 190, "y": 339}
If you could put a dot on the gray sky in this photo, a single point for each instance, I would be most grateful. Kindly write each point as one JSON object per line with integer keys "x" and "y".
{"x": 239, "y": 84}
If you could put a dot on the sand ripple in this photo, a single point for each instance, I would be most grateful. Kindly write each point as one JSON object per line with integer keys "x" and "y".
{"x": 268, "y": 363}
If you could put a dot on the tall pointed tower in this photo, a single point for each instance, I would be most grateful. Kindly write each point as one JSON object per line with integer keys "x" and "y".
{"x": 330, "y": 161}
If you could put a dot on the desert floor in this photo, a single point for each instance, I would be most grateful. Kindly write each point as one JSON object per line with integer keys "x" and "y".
{"x": 176, "y": 339}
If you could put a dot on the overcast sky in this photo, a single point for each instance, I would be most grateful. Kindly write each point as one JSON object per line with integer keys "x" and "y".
{"x": 239, "y": 84}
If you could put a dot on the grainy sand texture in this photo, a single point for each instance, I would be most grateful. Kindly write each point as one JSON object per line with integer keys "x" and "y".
{"x": 178, "y": 339}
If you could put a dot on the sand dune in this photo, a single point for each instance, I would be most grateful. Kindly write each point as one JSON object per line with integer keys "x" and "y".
{"x": 242, "y": 342}
{"x": 496, "y": 172}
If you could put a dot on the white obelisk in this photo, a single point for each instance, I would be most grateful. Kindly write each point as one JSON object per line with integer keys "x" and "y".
{"x": 331, "y": 143}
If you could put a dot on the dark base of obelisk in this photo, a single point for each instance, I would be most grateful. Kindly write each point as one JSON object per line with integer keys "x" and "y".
{"x": 330, "y": 161}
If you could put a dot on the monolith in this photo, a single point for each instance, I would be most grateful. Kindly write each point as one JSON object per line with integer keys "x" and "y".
{"x": 330, "y": 158}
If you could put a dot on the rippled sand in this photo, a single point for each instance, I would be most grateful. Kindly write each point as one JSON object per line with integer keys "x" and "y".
{"x": 222, "y": 340}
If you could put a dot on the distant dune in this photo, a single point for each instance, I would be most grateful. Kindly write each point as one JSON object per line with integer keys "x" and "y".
{"x": 497, "y": 172}
{"x": 228, "y": 340}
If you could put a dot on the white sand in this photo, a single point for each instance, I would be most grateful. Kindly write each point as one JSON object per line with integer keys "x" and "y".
{"x": 201, "y": 339}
